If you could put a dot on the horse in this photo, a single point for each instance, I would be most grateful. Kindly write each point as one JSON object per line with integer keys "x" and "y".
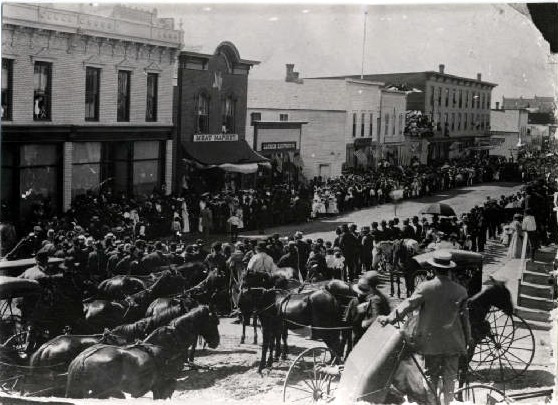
{"x": 104, "y": 371}
{"x": 279, "y": 309}
{"x": 118, "y": 287}
{"x": 394, "y": 256}
{"x": 251, "y": 287}
{"x": 140, "y": 329}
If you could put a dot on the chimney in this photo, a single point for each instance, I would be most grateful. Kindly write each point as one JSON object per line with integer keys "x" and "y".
{"x": 441, "y": 68}
{"x": 479, "y": 77}
{"x": 292, "y": 76}
{"x": 497, "y": 105}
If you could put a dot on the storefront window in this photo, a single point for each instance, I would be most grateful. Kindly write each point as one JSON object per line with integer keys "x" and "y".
{"x": 146, "y": 167}
{"x": 38, "y": 178}
{"x": 86, "y": 170}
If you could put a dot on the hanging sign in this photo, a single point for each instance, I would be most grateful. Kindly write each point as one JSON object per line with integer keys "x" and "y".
{"x": 278, "y": 146}
{"x": 215, "y": 137}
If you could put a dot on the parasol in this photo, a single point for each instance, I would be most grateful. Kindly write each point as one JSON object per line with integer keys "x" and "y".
{"x": 439, "y": 209}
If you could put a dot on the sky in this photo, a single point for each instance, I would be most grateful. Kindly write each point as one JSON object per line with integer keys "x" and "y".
{"x": 327, "y": 39}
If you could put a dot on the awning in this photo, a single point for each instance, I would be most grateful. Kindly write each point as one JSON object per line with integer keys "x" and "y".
{"x": 231, "y": 156}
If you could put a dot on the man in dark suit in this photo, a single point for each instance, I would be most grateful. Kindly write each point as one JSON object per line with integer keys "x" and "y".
{"x": 155, "y": 259}
{"x": 350, "y": 248}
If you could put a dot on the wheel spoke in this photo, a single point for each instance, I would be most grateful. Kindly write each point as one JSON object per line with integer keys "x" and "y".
{"x": 300, "y": 389}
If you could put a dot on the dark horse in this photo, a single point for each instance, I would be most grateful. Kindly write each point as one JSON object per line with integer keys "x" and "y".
{"x": 104, "y": 371}
{"x": 279, "y": 309}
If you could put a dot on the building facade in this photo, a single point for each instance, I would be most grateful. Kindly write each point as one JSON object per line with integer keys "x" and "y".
{"x": 509, "y": 132}
{"x": 317, "y": 127}
{"x": 210, "y": 117}
{"x": 86, "y": 102}
{"x": 453, "y": 111}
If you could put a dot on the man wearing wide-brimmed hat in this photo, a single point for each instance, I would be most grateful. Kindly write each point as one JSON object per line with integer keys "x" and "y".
{"x": 370, "y": 303}
{"x": 443, "y": 329}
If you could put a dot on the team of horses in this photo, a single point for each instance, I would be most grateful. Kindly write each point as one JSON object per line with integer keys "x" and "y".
{"x": 135, "y": 333}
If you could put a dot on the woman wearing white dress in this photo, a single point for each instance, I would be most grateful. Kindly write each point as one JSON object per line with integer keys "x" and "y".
{"x": 185, "y": 217}
{"x": 516, "y": 242}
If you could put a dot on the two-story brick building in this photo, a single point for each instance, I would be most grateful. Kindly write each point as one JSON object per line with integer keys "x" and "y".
{"x": 211, "y": 119}
{"x": 457, "y": 108}
{"x": 86, "y": 102}
{"x": 315, "y": 126}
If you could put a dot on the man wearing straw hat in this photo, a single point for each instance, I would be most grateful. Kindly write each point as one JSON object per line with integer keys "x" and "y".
{"x": 443, "y": 331}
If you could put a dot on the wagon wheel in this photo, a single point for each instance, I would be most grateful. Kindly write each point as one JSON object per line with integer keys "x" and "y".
{"x": 507, "y": 351}
{"x": 14, "y": 332}
{"x": 419, "y": 276}
{"x": 312, "y": 376}
{"x": 481, "y": 394}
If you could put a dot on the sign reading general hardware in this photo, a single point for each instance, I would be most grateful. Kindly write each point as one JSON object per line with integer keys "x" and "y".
{"x": 278, "y": 145}
{"x": 215, "y": 137}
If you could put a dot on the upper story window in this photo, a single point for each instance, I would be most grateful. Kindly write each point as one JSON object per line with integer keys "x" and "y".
{"x": 228, "y": 115}
{"x": 447, "y": 97}
{"x": 393, "y": 123}
{"x": 452, "y": 121}
{"x": 488, "y": 101}
{"x": 458, "y": 121}
{"x": 362, "y": 124}
{"x": 202, "y": 114}
{"x": 460, "y": 98}
{"x": 42, "y": 91}
{"x": 454, "y": 98}
{"x": 283, "y": 117}
{"x": 386, "y": 124}
{"x": 7, "y": 88}
{"x": 152, "y": 96}
{"x": 439, "y": 96}
{"x": 255, "y": 116}
{"x": 370, "y": 129}
{"x": 354, "y": 124}
{"x": 92, "y": 93}
{"x": 432, "y": 96}
{"x": 465, "y": 121}
{"x": 483, "y": 100}
{"x": 123, "y": 100}
{"x": 401, "y": 124}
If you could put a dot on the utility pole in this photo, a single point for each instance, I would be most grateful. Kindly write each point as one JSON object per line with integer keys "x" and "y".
{"x": 363, "y": 46}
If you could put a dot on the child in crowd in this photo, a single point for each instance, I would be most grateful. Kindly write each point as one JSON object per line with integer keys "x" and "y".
{"x": 234, "y": 224}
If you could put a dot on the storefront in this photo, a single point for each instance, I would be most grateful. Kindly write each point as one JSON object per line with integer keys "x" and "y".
{"x": 279, "y": 141}
{"x": 220, "y": 161}
{"x": 47, "y": 172}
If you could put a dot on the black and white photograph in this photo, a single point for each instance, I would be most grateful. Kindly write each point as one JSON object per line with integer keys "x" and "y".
{"x": 239, "y": 203}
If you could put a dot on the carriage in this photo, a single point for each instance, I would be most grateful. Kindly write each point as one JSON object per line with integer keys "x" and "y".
{"x": 502, "y": 354}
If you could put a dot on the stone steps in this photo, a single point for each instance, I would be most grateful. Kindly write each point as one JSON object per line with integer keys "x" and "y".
{"x": 535, "y": 297}
{"x": 539, "y": 267}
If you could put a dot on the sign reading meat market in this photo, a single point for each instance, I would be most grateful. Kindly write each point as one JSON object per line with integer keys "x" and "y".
{"x": 215, "y": 137}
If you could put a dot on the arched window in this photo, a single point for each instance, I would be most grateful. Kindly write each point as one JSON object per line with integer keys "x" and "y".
{"x": 228, "y": 107}
{"x": 202, "y": 113}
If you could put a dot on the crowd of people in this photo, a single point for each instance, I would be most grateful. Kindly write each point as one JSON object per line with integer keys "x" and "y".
{"x": 161, "y": 214}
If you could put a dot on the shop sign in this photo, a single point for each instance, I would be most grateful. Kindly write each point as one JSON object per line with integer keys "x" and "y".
{"x": 215, "y": 137}
{"x": 267, "y": 146}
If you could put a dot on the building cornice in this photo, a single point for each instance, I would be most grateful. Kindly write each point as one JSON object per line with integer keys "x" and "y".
{"x": 72, "y": 22}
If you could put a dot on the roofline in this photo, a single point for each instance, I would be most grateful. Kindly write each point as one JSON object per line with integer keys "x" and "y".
{"x": 429, "y": 72}
{"x": 209, "y": 56}
{"x": 282, "y": 122}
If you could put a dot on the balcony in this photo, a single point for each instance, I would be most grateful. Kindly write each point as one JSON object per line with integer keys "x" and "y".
{"x": 159, "y": 32}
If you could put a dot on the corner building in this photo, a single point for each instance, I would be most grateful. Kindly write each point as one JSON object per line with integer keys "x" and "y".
{"x": 86, "y": 102}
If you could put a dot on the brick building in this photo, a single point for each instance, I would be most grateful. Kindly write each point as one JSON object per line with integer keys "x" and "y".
{"x": 316, "y": 126}
{"x": 457, "y": 108}
{"x": 86, "y": 102}
{"x": 211, "y": 118}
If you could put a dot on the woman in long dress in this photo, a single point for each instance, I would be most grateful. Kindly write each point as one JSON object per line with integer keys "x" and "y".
{"x": 516, "y": 243}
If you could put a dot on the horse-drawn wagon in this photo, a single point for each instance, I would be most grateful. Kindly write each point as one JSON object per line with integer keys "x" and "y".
{"x": 503, "y": 349}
